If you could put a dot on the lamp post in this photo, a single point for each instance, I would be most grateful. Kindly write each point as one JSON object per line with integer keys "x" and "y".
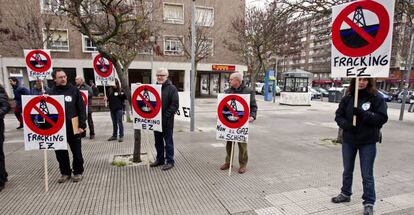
{"x": 192, "y": 74}
{"x": 152, "y": 41}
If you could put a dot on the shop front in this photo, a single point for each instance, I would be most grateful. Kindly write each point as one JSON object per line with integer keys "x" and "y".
{"x": 211, "y": 83}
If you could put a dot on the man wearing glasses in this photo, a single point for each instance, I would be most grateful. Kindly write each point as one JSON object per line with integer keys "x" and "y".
{"x": 165, "y": 154}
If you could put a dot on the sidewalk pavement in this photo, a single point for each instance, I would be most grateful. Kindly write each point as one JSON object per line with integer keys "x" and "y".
{"x": 291, "y": 169}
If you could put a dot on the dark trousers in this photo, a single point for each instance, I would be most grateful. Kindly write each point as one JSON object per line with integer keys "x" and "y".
{"x": 243, "y": 158}
{"x": 410, "y": 109}
{"x": 116, "y": 117}
{"x": 3, "y": 173}
{"x": 62, "y": 156}
{"x": 367, "y": 155}
{"x": 90, "y": 124}
{"x": 18, "y": 114}
{"x": 164, "y": 153}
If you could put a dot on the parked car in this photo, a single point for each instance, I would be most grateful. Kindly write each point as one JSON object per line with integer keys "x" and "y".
{"x": 386, "y": 97}
{"x": 324, "y": 92}
{"x": 407, "y": 98}
{"x": 260, "y": 88}
{"x": 314, "y": 93}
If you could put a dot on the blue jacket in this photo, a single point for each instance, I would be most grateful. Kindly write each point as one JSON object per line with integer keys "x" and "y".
{"x": 18, "y": 91}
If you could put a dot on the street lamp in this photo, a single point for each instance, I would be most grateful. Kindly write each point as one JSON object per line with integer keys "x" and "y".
{"x": 152, "y": 41}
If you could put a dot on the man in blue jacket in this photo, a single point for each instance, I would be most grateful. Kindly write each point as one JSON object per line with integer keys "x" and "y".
{"x": 18, "y": 91}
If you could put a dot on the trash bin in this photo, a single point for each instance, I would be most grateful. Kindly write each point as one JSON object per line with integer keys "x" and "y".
{"x": 335, "y": 96}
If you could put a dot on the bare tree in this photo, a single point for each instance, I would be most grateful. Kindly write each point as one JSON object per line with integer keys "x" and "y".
{"x": 260, "y": 36}
{"x": 23, "y": 25}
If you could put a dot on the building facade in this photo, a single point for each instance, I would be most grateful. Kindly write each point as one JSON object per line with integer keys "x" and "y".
{"x": 72, "y": 51}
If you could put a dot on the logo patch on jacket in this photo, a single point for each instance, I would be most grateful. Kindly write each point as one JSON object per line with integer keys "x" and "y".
{"x": 366, "y": 106}
{"x": 68, "y": 98}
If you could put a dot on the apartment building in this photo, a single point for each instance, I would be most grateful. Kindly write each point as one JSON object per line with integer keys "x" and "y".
{"x": 72, "y": 51}
{"x": 313, "y": 52}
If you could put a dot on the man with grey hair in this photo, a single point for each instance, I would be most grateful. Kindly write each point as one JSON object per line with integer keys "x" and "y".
{"x": 169, "y": 108}
{"x": 81, "y": 85}
{"x": 238, "y": 87}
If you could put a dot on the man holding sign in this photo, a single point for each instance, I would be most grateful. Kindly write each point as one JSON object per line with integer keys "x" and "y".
{"x": 170, "y": 104}
{"x": 83, "y": 86}
{"x": 75, "y": 125}
{"x": 238, "y": 87}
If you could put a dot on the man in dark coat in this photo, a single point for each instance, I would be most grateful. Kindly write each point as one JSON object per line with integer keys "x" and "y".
{"x": 238, "y": 87}
{"x": 74, "y": 107}
{"x": 83, "y": 86}
{"x": 18, "y": 91}
{"x": 170, "y": 105}
{"x": 4, "y": 108}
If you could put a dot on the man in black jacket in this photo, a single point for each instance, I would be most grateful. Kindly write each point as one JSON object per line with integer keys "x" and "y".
{"x": 73, "y": 108}
{"x": 4, "y": 108}
{"x": 83, "y": 86}
{"x": 238, "y": 87}
{"x": 169, "y": 108}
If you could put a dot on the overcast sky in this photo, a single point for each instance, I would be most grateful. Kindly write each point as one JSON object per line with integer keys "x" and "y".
{"x": 257, "y": 3}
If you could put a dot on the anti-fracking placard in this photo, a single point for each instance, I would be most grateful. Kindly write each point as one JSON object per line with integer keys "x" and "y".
{"x": 84, "y": 94}
{"x": 147, "y": 106}
{"x": 38, "y": 64}
{"x": 362, "y": 38}
{"x": 44, "y": 122}
{"x": 233, "y": 117}
{"x": 183, "y": 112}
{"x": 104, "y": 70}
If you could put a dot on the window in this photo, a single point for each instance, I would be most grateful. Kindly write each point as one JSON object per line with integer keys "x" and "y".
{"x": 58, "y": 39}
{"x": 207, "y": 48}
{"x": 204, "y": 16}
{"x": 172, "y": 46}
{"x": 88, "y": 45}
{"x": 173, "y": 13}
{"x": 51, "y": 6}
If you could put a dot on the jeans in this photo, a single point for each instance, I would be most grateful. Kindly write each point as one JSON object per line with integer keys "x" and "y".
{"x": 367, "y": 155}
{"x": 243, "y": 158}
{"x": 90, "y": 124}
{"x": 62, "y": 156}
{"x": 160, "y": 137}
{"x": 116, "y": 117}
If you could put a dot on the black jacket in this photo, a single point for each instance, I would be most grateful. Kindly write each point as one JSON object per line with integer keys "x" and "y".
{"x": 170, "y": 103}
{"x": 245, "y": 90}
{"x": 371, "y": 116}
{"x": 4, "y": 103}
{"x": 74, "y": 106}
{"x": 18, "y": 91}
{"x": 116, "y": 99}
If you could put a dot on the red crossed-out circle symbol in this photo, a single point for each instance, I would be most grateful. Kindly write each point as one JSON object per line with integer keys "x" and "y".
{"x": 85, "y": 98}
{"x": 102, "y": 66}
{"x": 38, "y": 61}
{"x": 55, "y": 126}
{"x": 154, "y": 109}
{"x": 373, "y": 42}
{"x": 242, "y": 120}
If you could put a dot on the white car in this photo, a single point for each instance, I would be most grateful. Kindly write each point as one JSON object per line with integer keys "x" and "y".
{"x": 260, "y": 88}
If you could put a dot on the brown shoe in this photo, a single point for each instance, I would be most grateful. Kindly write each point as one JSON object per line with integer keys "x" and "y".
{"x": 77, "y": 178}
{"x": 225, "y": 166}
{"x": 63, "y": 179}
{"x": 242, "y": 170}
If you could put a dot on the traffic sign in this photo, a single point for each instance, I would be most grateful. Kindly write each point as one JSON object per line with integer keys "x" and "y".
{"x": 38, "y": 63}
{"x": 44, "y": 120}
{"x": 233, "y": 117}
{"x": 362, "y": 38}
{"x": 102, "y": 66}
{"x": 146, "y": 103}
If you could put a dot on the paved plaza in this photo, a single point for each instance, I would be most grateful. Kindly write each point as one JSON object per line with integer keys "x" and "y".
{"x": 292, "y": 169}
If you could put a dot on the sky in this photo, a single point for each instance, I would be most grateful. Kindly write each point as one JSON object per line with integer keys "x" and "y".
{"x": 255, "y": 3}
